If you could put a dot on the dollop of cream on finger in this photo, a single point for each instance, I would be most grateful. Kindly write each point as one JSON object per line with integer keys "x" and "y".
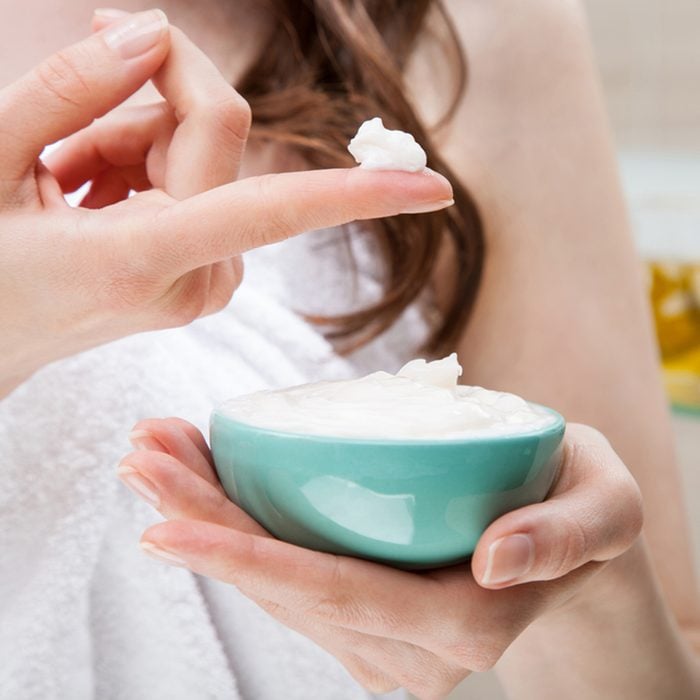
{"x": 375, "y": 147}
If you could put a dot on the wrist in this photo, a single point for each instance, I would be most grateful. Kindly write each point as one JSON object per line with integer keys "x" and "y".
{"x": 622, "y": 586}
{"x": 604, "y": 591}
{"x": 616, "y": 635}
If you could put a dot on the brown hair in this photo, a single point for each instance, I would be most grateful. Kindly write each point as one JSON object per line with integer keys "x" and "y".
{"x": 328, "y": 66}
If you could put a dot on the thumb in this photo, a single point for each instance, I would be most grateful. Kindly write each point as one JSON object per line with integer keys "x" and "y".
{"x": 78, "y": 84}
{"x": 593, "y": 514}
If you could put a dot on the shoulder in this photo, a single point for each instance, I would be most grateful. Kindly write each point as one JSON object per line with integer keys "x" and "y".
{"x": 510, "y": 26}
{"x": 527, "y": 44}
{"x": 518, "y": 34}
{"x": 532, "y": 109}
{"x": 465, "y": 11}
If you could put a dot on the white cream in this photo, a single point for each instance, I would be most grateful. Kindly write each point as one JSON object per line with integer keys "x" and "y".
{"x": 422, "y": 401}
{"x": 377, "y": 148}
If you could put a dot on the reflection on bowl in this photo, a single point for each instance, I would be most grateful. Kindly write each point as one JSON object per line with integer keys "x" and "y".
{"x": 408, "y": 503}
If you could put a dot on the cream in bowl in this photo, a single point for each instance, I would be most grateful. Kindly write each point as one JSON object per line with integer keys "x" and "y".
{"x": 421, "y": 402}
{"x": 407, "y": 469}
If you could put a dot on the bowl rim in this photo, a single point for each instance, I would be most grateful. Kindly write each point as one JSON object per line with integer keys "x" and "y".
{"x": 558, "y": 426}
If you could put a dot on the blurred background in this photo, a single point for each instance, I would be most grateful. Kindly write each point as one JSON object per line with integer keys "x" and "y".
{"x": 648, "y": 54}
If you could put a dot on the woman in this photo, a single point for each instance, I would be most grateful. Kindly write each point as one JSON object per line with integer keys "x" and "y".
{"x": 84, "y": 612}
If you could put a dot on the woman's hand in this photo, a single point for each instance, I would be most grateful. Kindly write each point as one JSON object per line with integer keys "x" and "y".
{"x": 390, "y": 628}
{"x": 72, "y": 278}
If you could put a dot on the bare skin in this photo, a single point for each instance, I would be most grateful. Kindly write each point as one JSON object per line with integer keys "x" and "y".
{"x": 532, "y": 110}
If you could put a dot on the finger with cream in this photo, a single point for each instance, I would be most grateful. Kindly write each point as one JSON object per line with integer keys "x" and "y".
{"x": 375, "y": 147}
{"x": 421, "y": 402}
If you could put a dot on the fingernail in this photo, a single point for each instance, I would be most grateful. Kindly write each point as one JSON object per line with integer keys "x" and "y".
{"x": 139, "y": 484}
{"x": 428, "y": 206}
{"x": 143, "y": 440}
{"x": 162, "y": 554}
{"x": 509, "y": 558}
{"x": 134, "y": 35}
{"x": 109, "y": 13}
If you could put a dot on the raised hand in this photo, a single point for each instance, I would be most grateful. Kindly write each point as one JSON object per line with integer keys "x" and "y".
{"x": 73, "y": 278}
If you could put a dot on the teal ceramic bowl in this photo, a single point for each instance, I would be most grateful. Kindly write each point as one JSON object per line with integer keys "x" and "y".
{"x": 409, "y": 503}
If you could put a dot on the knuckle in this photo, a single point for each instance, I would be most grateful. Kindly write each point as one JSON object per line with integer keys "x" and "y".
{"x": 162, "y": 469}
{"x": 232, "y": 116}
{"x": 340, "y": 609}
{"x": 186, "y": 308}
{"x": 598, "y": 465}
{"x": 342, "y": 606}
{"x": 228, "y": 117}
{"x": 187, "y": 299}
{"x": 574, "y": 547}
{"x": 217, "y": 302}
{"x": 335, "y": 605}
{"x": 585, "y": 436}
{"x": 63, "y": 74}
{"x": 128, "y": 290}
{"x": 220, "y": 500}
{"x": 628, "y": 494}
{"x": 636, "y": 520}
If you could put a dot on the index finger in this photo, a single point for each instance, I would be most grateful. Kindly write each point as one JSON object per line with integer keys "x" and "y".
{"x": 445, "y": 612}
{"x": 339, "y": 590}
{"x": 231, "y": 219}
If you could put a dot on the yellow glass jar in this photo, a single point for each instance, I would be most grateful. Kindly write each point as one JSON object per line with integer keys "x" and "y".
{"x": 675, "y": 298}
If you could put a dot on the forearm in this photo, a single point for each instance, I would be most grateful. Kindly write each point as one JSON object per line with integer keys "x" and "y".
{"x": 617, "y": 639}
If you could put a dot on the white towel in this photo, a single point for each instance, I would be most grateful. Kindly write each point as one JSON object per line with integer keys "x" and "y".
{"x": 83, "y": 613}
